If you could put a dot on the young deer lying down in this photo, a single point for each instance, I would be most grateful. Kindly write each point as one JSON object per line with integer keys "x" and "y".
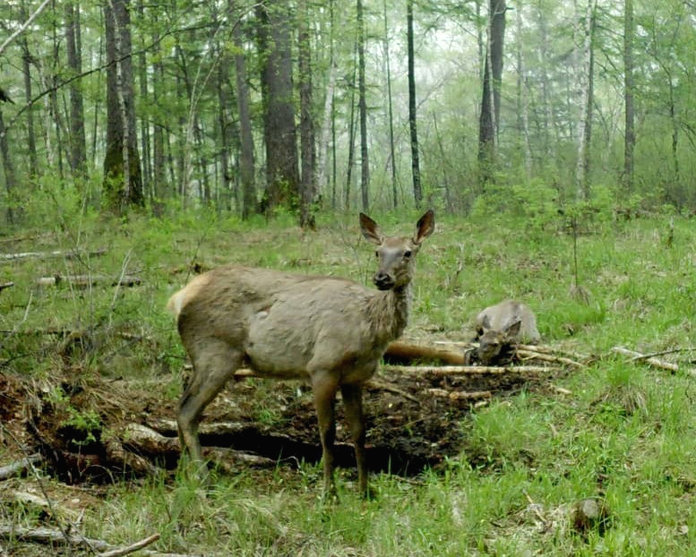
{"x": 330, "y": 331}
{"x": 502, "y": 325}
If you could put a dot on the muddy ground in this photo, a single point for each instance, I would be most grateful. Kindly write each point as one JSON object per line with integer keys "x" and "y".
{"x": 83, "y": 426}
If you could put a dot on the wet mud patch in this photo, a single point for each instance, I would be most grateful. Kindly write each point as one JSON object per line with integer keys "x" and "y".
{"x": 96, "y": 430}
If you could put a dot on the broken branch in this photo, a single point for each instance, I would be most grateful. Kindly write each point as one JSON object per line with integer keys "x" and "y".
{"x": 637, "y": 356}
{"x": 468, "y": 370}
{"x": 19, "y": 467}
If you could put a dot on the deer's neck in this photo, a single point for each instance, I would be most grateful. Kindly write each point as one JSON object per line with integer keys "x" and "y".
{"x": 389, "y": 312}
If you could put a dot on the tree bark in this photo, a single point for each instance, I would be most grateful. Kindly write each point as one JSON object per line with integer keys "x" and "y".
{"x": 28, "y": 97}
{"x": 78, "y": 141}
{"x": 585, "y": 98}
{"x": 392, "y": 156}
{"x": 307, "y": 184}
{"x": 246, "y": 161}
{"x": 629, "y": 84}
{"x": 122, "y": 177}
{"x": 415, "y": 165}
{"x": 362, "y": 109}
{"x": 282, "y": 174}
{"x": 11, "y": 212}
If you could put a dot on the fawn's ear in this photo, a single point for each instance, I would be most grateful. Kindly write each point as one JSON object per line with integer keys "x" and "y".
{"x": 370, "y": 229}
{"x": 485, "y": 323}
{"x": 424, "y": 227}
{"x": 513, "y": 329}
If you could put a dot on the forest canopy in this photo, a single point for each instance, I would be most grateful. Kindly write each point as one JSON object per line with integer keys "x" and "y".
{"x": 246, "y": 107}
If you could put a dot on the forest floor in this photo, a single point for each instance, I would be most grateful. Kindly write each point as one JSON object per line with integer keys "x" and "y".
{"x": 467, "y": 460}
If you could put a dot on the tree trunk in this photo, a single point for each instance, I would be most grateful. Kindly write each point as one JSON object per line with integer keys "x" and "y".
{"x": 522, "y": 101}
{"x": 351, "y": 130}
{"x": 31, "y": 132}
{"x": 322, "y": 173}
{"x": 159, "y": 178}
{"x": 585, "y": 90}
{"x": 415, "y": 166}
{"x": 362, "y": 109}
{"x": 629, "y": 84}
{"x": 145, "y": 121}
{"x": 11, "y": 213}
{"x": 246, "y": 161}
{"x": 122, "y": 178}
{"x": 490, "y": 98}
{"x": 78, "y": 141}
{"x": 282, "y": 174}
{"x": 307, "y": 184}
{"x": 392, "y": 156}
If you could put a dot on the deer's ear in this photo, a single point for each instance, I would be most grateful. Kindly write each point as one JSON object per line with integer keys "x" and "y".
{"x": 424, "y": 227}
{"x": 513, "y": 329}
{"x": 485, "y": 323}
{"x": 370, "y": 229}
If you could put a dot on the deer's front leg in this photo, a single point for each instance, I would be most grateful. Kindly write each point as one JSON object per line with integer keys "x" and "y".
{"x": 324, "y": 388}
{"x": 352, "y": 401}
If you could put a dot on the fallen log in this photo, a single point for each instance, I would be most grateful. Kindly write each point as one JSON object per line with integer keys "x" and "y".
{"x": 406, "y": 352}
{"x": 6, "y": 285}
{"x": 10, "y": 257}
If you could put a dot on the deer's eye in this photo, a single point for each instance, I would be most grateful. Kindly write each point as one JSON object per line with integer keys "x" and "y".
{"x": 407, "y": 253}
{"x": 376, "y": 253}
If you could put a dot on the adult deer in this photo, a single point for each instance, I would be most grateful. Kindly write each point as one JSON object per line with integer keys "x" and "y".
{"x": 331, "y": 331}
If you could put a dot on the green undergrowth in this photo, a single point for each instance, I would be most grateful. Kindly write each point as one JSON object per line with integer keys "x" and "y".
{"x": 618, "y": 430}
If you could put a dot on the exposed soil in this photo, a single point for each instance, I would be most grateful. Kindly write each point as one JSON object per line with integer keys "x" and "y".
{"x": 80, "y": 425}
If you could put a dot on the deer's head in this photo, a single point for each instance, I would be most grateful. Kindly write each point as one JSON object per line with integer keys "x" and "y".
{"x": 396, "y": 255}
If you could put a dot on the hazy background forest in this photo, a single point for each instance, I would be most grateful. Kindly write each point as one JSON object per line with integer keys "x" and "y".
{"x": 254, "y": 107}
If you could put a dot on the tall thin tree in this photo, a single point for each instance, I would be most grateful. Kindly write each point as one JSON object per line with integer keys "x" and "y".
{"x": 629, "y": 86}
{"x": 415, "y": 166}
{"x": 362, "y": 109}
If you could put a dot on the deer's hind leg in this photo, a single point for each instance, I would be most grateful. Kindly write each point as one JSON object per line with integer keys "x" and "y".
{"x": 214, "y": 363}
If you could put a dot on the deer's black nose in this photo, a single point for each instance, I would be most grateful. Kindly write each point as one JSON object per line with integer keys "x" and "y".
{"x": 383, "y": 281}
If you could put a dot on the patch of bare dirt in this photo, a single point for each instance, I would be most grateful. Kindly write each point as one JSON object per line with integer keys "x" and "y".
{"x": 89, "y": 429}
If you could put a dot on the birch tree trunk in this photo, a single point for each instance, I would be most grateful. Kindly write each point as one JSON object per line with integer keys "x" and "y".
{"x": 322, "y": 174}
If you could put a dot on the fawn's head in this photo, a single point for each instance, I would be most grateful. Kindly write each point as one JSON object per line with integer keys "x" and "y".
{"x": 492, "y": 341}
{"x": 396, "y": 254}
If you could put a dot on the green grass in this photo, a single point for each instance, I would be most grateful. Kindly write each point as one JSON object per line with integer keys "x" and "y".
{"x": 626, "y": 432}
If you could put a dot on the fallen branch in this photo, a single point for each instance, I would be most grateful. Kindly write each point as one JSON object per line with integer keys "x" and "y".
{"x": 6, "y": 285}
{"x": 51, "y": 536}
{"x": 19, "y": 467}
{"x": 637, "y": 356}
{"x": 10, "y": 257}
{"x": 383, "y": 386}
{"x": 461, "y": 395}
{"x": 526, "y": 353}
{"x": 468, "y": 370}
{"x": 131, "y": 548}
{"x": 32, "y": 500}
{"x": 83, "y": 281}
